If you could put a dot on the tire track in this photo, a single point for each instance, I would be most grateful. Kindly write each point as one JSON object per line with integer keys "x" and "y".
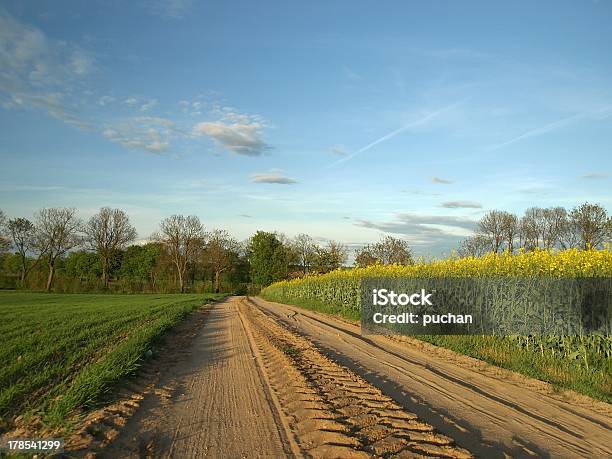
{"x": 490, "y": 411}
{"x": 332, "y": 411}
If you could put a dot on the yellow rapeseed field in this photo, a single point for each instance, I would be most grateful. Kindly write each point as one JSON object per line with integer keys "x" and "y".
{"x": 341, "y": 287}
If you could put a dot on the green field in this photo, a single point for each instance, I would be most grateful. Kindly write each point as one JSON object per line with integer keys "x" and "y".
{"x": 61, "y": 353}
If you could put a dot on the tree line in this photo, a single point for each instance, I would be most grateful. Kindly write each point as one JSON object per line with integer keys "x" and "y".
{"x": 101, "y": 253}
{"x": 585, "y": 226}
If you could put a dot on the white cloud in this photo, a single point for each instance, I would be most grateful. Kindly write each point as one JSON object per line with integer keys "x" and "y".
{"x": 81, "y": 63}
{"x": 239, "y": 133}
{"x": 131, "y": 101}
{"x": 595, "y": 176}
{"x": 461, "y": 205}
{"x": 39, "y": 72}
{"x": 149, "y": 134}
{"x": 105, "y": 100}
{"x": 339, "y": 150}
{"x": 274, "y": 177}
{"x": 425, "y": 230}
{"x": 169, "y": 9}
{"x": 441, "y": 180}
{"x": 148, "y": 105}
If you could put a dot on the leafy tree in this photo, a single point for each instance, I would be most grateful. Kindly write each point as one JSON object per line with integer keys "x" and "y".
{"x": 108, "y": 232}
{"x": 220, "y": 253}
{"x": 82, "y": 264}
{"x": 142, "y": 262}
{"x": 268, "y": 257}
{"x": 330, "y": 257}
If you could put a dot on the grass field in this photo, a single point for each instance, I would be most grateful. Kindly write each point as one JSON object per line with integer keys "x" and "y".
{"x": 61, "y": 353}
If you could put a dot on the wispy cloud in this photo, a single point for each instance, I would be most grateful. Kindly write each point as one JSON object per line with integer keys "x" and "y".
{"x": 413, "y": 124}
{"x": 461, "y": 205}
{"x": 601, "y": 113}
{"x": 595, "y": 176}
{"x": 441, "y": 180}
{"x": 149, "y": 134}
{"x": 38, "y": 72}
{"x": 274, "y": 177}
{"x": 425, "y": 230}
{"x": 169, "y": 9}
{"x": 350, "y": 74}
{"x": 339, "y": 150}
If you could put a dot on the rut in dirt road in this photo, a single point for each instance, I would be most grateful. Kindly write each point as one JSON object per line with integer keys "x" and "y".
{"x": 492, "y": 412}
{"x": 333, "y": 412}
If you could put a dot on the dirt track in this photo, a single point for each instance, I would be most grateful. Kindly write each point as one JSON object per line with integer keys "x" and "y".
{"x": 260, "y": 379}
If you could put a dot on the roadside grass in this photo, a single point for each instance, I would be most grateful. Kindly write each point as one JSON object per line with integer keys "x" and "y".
{"x": 594, "y": 380}
{"x": 61, "y": 353}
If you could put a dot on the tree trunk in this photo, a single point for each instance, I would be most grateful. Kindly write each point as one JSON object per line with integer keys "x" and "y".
{"x": 181, "y": 282}
{"x": 51, "y": 274}
{"x": 23, "y": 272}
{"x": 217, "y": 281}
{"x": 105, "y": 272}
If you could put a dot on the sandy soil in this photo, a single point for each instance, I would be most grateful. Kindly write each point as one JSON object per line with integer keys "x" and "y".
{"x": 489, "y": 411}
{"x": 247, "y": 386}
{"x": 218, "y": 405}
{"x": 249, "y": 378}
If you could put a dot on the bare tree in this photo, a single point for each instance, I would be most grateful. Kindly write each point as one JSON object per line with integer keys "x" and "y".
{"x": 304, "y": 248}
{"x": 182, "y": 238}
{"x": 107, "y": 232}
{"x": 554, "y": 224}
{"x": 330, "y": 257}
{"x": 474, "y": 246}
{"x": 23, "y": 234}
{"x": 220, "y": 253}
{"x": 57, "y": 232}
{"x": 510, "y": 229}
{"x": 590, "y": 224}
{"x": 529, "y": 228}
{"x": 389, "y": 250}
{"x": 392, "y": 250}
{"x": 543, "y": 228}
{"x": 364, "y": 257}
{"x": 491, "y": 226}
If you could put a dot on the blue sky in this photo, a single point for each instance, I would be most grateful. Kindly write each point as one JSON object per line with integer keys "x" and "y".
{"x": 344, "y": 120}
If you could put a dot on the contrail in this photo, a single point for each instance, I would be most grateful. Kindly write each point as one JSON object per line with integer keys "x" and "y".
{"x": 392, "y": 134}
{"x": 552, "y": 126}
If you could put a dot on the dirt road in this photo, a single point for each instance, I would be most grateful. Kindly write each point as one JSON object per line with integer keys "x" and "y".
{"x": 260, "y": 379}
{"x": 491, "y": 412}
